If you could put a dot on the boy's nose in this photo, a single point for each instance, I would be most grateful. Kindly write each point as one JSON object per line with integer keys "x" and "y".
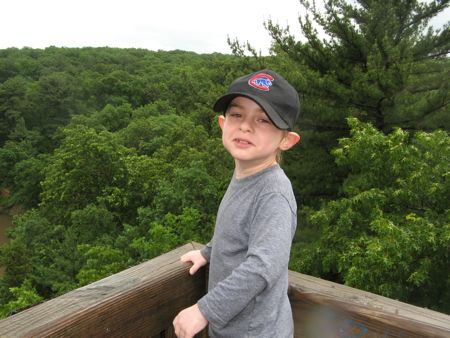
{"x": 245, "y": 125}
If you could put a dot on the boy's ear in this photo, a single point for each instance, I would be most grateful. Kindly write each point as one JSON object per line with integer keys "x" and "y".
{"x": 221, "y": 121}
{"x": 290, "y": 140}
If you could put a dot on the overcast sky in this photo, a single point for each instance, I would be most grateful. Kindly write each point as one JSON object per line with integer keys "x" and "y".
{"x": 201, "y": 26}
{"x": 196, "y": 25}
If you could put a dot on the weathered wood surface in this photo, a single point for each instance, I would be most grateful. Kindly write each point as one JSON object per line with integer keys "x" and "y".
{"x": 138, "y": 302}
{"x": 329, "y": 310}
{"x": 143, "y": 300}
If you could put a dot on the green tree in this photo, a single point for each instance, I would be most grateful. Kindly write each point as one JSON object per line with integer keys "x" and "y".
{"x": 24, "y": 297}
{"x": 28, "y": 175}
{"x": 12, "y": 153}
{"x": 390, "y": 231}
{"x": 37, "y": 251}
{"x": 101, "y": 261}
{"x": 118, "y": 87}
{"x": 93, "y": 224}
{"x": 106, "y": 145}
{"x": 151, "y": 238}
{"x": 375, "y": 60}
{"x": 52, "y": 99}
{"x": 372, "y": 63}
{"x": 157, "y": 240}
{"x": 87, "y": 166}
{"x": 12, "y": 104}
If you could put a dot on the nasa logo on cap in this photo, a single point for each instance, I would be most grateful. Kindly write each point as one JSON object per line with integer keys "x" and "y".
{"x": 261, "y": 81}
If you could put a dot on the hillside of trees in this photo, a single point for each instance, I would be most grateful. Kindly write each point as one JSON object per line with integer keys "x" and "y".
{"x": 115, "y": 155}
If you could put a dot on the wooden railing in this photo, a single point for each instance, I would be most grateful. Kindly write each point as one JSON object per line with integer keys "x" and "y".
{"x": 143, "y": 300}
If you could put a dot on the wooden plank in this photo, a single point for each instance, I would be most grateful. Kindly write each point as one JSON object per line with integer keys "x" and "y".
{"x": 325, "y": 309}
{"x": 143, "y": 300}
{"x": 140, "y": 301}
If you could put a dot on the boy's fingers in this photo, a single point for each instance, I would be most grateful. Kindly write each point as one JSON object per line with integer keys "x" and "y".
{"x": 194, "y": 269}
{"x": 185, "y": 258}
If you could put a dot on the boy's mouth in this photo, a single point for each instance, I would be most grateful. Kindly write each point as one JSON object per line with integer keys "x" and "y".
{"x": 242, "y": 141}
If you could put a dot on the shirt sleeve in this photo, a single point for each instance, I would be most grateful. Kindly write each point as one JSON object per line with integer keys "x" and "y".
{"x": 206, "y": 251}
{"x": 270, "y": 238}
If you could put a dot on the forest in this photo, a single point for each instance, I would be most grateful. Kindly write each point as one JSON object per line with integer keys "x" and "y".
{"x": 115, "y": 156}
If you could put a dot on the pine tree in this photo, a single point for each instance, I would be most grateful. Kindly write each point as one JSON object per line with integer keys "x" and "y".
{"x": 379, "y": 61}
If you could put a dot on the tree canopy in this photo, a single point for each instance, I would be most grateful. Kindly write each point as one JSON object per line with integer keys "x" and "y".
{"x": 378, "y": 61}
{"x": 389, "y": 233}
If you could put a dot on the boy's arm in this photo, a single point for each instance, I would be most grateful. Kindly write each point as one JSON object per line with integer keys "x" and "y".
{"x": 206, "y": 251}
{"x": 267, "y": 258}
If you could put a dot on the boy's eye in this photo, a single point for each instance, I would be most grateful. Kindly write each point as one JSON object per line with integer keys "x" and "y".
{"x": 234, "y": 114}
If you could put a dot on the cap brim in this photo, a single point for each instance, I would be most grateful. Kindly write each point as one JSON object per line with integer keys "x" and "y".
{"x": 222, "y": 103}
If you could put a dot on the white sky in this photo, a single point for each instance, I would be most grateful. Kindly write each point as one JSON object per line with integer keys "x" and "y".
{"x": 194, "y": 25}
{"x": 201, "y": 26}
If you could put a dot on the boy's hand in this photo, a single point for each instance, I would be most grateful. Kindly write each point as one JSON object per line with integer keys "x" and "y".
{"x": 189, "y": 322}
{"x": 196, "y": 258}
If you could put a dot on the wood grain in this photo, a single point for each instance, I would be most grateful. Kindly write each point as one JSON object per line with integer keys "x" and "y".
{"x": 143, "y": 300}
{"x": 138, "y": 302}
{"x": 325, "y": 309}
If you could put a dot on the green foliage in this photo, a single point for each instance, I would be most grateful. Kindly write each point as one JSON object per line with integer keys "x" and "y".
{"x": 24, "y": 297}
{"x": 10, "y": 155}
{"x": 93, "y": 224}
{"x": 28, "y": 175}
{"x": 12, "y": 104}
{"x": 86, "y": 167}
{"x": 374, "y": 60}
{"x": 116, "y": 157}
{"x": 114, "y": 118}
{"x": 106, "y": 145}
{"x": 100, "y": 261}
{"x": 389, "y": 232}
{"x": 53, "y": 98}
{"x": 41, "y": 252}
{"x": 371, "y": 62}
{"x": 158, "y": 239}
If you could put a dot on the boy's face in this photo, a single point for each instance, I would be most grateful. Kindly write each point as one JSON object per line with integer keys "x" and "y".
{"x": 250, "y": 136}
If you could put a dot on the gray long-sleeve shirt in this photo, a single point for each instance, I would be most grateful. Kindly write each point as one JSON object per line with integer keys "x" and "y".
{"x": 249, "y": 255}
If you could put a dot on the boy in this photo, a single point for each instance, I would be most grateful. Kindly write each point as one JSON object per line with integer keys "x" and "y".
{"x": 256, "y": 221}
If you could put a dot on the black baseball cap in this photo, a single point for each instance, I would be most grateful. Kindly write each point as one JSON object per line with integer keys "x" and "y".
{"x": 271, "y": 91}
